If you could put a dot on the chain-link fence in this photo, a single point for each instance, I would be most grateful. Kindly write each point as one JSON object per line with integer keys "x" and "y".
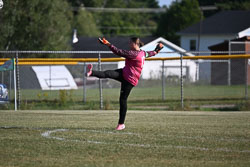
{"x": 165, "y": 84}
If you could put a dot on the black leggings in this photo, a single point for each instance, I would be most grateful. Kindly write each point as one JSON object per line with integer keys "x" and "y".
{"x": 126, "y": 88}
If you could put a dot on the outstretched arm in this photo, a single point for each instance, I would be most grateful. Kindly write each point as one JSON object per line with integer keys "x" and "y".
{"x": 156, "y": 51}
{"x": 130, "y": 54}
{"x": 119, "y": 52}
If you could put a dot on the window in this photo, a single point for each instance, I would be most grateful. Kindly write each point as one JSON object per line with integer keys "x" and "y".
{"x": 192, "y": 45}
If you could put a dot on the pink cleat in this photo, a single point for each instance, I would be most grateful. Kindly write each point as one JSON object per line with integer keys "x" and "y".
{"x": 89, "y": 70}
{"x": 120, "y": 127}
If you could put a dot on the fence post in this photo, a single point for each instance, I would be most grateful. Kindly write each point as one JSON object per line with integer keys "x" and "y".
{"x": 246, "y": 77}
{"x": 197, "y": 71}
{"x": 50, "y": 77}
{"x": 229, "y": 72}
{"x": 14, "y": 76}
{"x": 229, "y": 64}
{"x": 182, "y": 102}
{"x": 17, "y": 83}
{"x": 84, "y": 82}
{"x": 100, "y": 82}
{"x": 163, "y": 80}
{"x": 10, "y": 84}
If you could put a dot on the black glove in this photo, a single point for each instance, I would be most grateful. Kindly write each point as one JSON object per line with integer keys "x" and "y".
{"x": 158, "y": 47}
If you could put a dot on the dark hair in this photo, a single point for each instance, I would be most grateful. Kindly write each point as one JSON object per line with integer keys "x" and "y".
{"x": 137, "y": 41}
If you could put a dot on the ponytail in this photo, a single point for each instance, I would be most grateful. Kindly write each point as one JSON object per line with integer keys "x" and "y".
{"x": 137, "y": 41}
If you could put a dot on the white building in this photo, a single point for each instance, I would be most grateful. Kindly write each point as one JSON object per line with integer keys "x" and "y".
{"x": 223, "y": 26}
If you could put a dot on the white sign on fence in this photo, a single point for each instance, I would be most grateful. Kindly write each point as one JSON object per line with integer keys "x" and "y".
{"x": 54, "y": 77}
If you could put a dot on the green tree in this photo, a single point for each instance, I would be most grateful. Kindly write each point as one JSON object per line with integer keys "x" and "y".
{"x": 87, "y": 3}
{"x": 35, "y": 25}
{"x": 85, "y": 24}
{"x": 121, "y": 23}
{"x": 124, "y": 23}
{"x": 234, "y": 5}
{"x": 106, "y": 3}
{"x": 224, "y": 5}
{"x": 179, "y": 16}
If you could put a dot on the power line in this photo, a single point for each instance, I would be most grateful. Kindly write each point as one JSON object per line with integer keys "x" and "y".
{"x": 205, "y": 8}
{"x": 123, "y": 10}
{"x": 127, "y": 34}
{"x": 135, "y": 10}
{"x": 127, "y": 28}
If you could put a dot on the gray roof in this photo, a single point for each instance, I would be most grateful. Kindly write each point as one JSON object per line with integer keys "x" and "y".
{"x": 225, "y": 22}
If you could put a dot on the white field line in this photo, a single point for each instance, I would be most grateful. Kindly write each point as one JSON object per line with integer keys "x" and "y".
{"x": 182, "y": 137}
{"x": 47, "y": 134}
{"x": 136, "y": 134}
{"x": 107, "y": 132}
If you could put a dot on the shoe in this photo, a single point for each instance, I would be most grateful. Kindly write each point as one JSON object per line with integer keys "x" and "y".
{"x": 89, "y": 70}
{"x": 120, "y": 127}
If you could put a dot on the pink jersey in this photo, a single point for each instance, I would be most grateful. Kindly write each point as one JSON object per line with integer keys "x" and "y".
{"x": 133, "y": 63}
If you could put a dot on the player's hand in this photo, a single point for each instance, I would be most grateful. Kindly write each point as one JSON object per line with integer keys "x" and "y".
{"x": 158, "y": 47}
{"x": 104, "y": 41}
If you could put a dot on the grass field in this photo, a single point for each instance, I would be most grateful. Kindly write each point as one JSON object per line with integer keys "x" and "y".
{"x": 145, "y": 98}
{"x": 142, "y": 93}
{"x": 151, "y": 138}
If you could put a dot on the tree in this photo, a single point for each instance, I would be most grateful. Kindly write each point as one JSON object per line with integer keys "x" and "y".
{"x": 234, "y": 5}
{"x": 224, "y": 5}
{"x": 88, "y": 3}
{"x": 35, "y": 25}
{"x": 85, "y": 24}
{"x": 118, "y": 23}
{"x": 179, "y": 16}
{"x": 127, "y": 24}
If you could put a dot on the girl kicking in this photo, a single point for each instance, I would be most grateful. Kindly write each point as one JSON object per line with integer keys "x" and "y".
{"x": 129, "y": 75}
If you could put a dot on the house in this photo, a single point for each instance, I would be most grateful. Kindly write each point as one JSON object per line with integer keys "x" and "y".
{"x": 223, "y": 26}
{"x": 238, "y": 70}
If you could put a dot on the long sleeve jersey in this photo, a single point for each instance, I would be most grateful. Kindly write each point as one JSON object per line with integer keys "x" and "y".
{"x": 134, "y": 61}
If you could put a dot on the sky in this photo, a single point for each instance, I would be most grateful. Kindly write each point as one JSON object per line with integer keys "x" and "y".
{"x": 165, "y": 2}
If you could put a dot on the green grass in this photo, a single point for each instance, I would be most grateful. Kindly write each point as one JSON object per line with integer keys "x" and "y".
{"x": 141, "y": 93}
{"x": 145, "y": 98}
{"x": 153, "y": 138}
